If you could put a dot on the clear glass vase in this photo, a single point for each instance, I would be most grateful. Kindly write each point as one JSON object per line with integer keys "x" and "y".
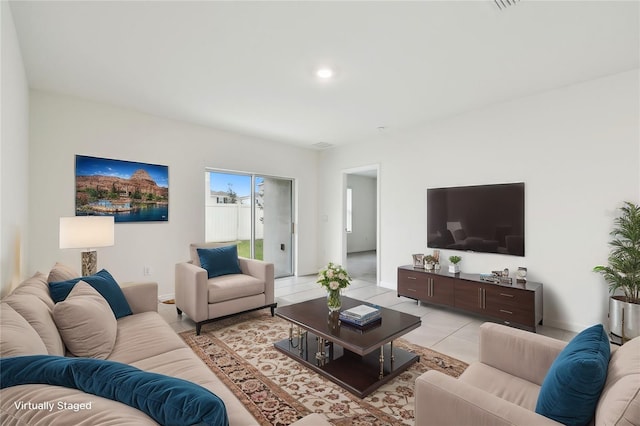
{"x": 333, "y": 300}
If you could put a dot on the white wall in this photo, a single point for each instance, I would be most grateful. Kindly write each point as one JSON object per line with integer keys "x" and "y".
{"x": 363, "y": 236}
{"x": 14, "y": 158}
{"x": 62, "y": 127}
{"x": 577, "y": 150}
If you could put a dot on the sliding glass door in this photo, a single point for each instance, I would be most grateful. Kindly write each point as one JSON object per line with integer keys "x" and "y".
{"x": 254, "y": 210}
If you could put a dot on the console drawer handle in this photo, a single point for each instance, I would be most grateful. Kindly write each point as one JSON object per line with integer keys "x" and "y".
{"x": 506, "y": 295}
{"x": 411, "y": 278}
{"x": 411, "y": 289}
{"x": 506, "y": 312}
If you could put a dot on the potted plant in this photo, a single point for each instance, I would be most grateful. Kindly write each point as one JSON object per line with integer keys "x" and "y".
{"x": 623, "y": 274}
{"x": 429, "y": 262}
{"x": 454, "y": 268}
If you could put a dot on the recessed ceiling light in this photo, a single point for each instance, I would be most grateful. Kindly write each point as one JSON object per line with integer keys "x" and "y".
{"x": 324, "y": 73}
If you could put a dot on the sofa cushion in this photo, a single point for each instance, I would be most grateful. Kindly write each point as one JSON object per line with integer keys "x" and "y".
{"x": 40, "y": 317}
{"x": 36, "y": 286}
{"x": 220, "y": 261}
{"x": 168, "y": 400}
{"x": 61, "y": 272}
{"x": 148, "y": 333}
{"x": 101, "y": 281}
{"x": 17, "y": 337}
{"x": 86, "y": 322}
{"x": 229, "y": 287}
{"x": 572, "y": 387}
{"x": 193, "y": 250}
{"x": 620, "y": 399}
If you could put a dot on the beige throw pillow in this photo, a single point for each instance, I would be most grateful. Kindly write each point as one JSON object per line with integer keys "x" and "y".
{"x": 40, "y": 317}
{"x": 17, "y": 337}
{"x": 61, "y": 272}
{"x": 37, "y": 286}
{"x": 86, "y": 322}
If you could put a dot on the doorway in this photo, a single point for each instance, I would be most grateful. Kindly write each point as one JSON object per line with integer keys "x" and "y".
{"x": 361, "y": 242}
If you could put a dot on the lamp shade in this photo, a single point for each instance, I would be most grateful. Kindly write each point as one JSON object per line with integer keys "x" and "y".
{"x": 86, "y": 232}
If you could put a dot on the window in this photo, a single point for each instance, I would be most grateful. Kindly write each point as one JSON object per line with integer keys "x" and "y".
{"x": 256, "y": 211}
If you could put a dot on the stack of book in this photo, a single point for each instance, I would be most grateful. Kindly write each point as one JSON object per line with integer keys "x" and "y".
{"x": 360, "y": 316}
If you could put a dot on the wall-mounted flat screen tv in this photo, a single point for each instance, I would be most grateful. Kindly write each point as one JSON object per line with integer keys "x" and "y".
{"x": 482, "y": 218}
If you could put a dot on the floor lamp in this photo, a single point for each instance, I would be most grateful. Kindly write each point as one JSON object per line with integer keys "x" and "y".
{"x": 87, "y": 232}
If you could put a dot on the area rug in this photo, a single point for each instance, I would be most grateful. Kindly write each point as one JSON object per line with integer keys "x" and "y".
{"x": 278, "y": 390}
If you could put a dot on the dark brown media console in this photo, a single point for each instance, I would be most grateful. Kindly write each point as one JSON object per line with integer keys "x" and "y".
{"x": 517, "y": 304}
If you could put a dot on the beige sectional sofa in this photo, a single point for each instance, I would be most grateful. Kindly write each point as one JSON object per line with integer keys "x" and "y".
{"x": 143, "y": 340}
{"x": 503, "y": 386}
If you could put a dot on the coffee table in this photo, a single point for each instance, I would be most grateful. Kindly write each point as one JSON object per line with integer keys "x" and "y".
{"x": 359, "y": 360}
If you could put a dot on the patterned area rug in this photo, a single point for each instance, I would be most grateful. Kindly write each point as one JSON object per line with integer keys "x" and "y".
{"x": 278, "y": 390}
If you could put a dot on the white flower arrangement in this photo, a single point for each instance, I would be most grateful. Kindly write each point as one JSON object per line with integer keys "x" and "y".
{"x": 333, "y": 277}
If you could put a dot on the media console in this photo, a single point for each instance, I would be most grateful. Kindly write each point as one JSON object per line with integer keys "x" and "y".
{"x": 517, "y": 304}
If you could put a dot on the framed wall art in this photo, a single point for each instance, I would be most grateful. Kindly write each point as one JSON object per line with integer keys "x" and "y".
{"x": 127, "y": 190}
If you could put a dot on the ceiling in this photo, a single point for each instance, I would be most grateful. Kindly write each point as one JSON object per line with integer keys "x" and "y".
{"x": 249, "y": 67}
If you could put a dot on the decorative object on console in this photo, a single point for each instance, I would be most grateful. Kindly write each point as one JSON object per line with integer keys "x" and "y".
{"x": 521, "y": 273}
{"x": 429, "y": 262}
{"x": 454, "y": 268}
{"x": 87, "y": 232}
{"x": 623, "y": 274}
{"x": 334, "y": 278}
{"x": 418, "y": 260}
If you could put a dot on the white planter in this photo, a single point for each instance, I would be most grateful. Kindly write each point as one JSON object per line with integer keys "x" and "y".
{"x": 631, "y": 313}
{"x": 454, "y": 269}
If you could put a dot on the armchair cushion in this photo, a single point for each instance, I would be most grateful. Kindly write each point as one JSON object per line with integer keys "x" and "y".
{"x": 572, "y": 387}
{"x": 234, "y": 286}
{"x": 219, "y": 261}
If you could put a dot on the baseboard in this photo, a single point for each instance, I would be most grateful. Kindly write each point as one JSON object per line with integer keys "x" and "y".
{"x": 576, "y": 328}
{"x": 391, "y": 286}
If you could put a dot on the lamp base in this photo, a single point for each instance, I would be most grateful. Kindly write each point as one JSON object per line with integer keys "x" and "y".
{"x": 89, "y": 263}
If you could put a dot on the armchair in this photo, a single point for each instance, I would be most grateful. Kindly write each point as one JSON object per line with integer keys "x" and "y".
{"x": 206, "y": 299}
{"x": 502, "y": 387}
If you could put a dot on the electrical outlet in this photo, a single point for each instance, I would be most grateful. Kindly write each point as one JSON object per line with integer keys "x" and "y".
{"x": 147, "y": 270}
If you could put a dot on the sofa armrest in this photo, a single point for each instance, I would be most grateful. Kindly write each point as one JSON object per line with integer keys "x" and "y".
{"x": 529, "y": 355}
{"x": 263, "y": 271}
{"x": 192, "y": 295}
{"x": 141, "y": 296}
{"x": 442, "y": 400}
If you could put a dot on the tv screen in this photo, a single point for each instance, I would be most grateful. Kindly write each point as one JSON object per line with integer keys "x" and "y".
{"x": 484, "y": 218}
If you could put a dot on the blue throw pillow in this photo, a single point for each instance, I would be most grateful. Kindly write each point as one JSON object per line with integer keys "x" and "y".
{"x": 104, "y": 283}
{"x": 571, "y": 389}
{"x": 168, "y": 400}
{"x": 220, "y": 260}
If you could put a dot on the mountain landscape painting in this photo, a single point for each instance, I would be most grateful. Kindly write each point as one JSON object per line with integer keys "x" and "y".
{"x": 126, "y": 190}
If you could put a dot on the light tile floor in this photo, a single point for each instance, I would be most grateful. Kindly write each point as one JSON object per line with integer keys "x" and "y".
{"x": 449, "y": 332}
